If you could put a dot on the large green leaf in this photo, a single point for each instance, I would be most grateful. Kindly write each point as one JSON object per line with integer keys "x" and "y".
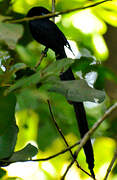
{"x": 8, "y": 141}
{"x": 7, "y": 110}
{"x": 24, "y": 154}
{"x": 8, "y": 128}
{"x": 54, "y": 69}
{"x": 78, "y": 91}
{"x": 10, "y": 34}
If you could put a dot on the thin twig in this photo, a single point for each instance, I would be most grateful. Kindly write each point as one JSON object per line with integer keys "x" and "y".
{"x": 95, "y": 126}
{"x": 57, "y": 127}
{"x": 53, "y": 8}
{"x": 44, "y": 159}
{"x": 56, "y": 13}
{"x": 60, "y": 132}
{"x": 111, "y": 165}
{"x": 70, "y": 165}
{"x": 54, "y": 121}
{"x": 57, "y": 154}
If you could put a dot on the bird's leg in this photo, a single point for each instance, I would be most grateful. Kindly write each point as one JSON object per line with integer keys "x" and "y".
{"x": 43, "y": 54}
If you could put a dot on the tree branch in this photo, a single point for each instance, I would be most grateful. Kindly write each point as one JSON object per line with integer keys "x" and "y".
{"x": 88, "y": 134}
{"x": 111, "y": 165}
{"x": 68, "y": 168}
{"x": 56, "y": 13}
{"x": 57, "y": 154}
{"x": 70, "y": 165}
{"x": 95, "y": 126}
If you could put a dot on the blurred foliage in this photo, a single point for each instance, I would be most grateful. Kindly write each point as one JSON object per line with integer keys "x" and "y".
{"x": 18, "y": 51}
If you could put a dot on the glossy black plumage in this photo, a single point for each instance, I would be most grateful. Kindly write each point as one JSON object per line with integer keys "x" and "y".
{"x": 47, "y": 33}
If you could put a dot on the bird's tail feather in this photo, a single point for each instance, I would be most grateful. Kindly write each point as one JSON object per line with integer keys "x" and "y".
{"x": 80, "y": 116}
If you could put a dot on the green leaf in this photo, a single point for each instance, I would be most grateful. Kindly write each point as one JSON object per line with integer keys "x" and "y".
{"x": 2, "y": 172}
{"x": 59, "y": 66}
{"x": 78, "y": 91}
{"x": 4, "y": 5}
{"x": 26, "y": 153}
{"x": 17, "y": 67}
{"x": 10, "y": 34}
{"x": 8, "y": 128}
{"x": 54, "y": 69}
{"x": 8, "y": 141}
{"x": 7, "y": 110}
{"x": 25, "y": 82}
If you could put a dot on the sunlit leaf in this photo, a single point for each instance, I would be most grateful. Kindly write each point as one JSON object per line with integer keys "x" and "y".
{"x": 107, "y": 14}
{"x": 104, "y": 156}
{"x": 27, "y": 121}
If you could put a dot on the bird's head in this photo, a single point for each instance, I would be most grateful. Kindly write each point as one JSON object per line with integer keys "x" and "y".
{"x": 37, "y": 11}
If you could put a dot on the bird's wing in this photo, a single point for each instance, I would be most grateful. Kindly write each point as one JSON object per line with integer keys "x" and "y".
{"x": 48, "y": 34}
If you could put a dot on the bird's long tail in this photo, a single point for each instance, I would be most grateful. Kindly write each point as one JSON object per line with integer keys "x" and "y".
{"x": 80, "y": 117}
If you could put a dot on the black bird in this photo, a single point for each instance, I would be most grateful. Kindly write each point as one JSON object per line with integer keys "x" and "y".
{"x": 47, "y": 33}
